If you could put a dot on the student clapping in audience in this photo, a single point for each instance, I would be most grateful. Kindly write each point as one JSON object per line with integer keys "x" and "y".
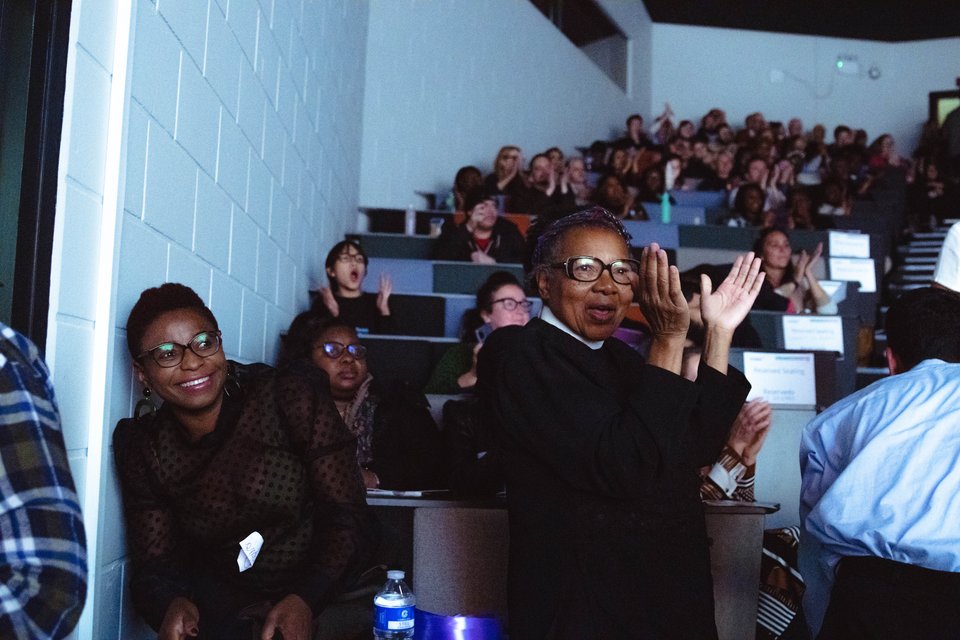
{"x": 575, "y": 180}
{"x": 483, "y": 237}
{"x": 398, "y": 443}
{"x": 507, "y": 178}
{"x": 798, "y": 283}
{"x": 545, "y": 194}
{"x": 501, "y": 302}
{"x": 345, "y": 299}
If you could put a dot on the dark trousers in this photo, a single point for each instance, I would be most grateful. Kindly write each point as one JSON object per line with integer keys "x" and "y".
{"x": 877, "y": 599}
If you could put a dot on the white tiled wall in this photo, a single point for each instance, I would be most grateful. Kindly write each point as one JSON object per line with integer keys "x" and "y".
{"x": 242, "y": 159}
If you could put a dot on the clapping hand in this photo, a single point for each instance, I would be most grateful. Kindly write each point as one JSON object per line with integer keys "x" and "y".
{"x": 329, "y": 301}
{"x": 750, "y": 429}
{"x": 726, "y": 307}
{"x": 661, "y": 299}
{"x": 383, "y": 294}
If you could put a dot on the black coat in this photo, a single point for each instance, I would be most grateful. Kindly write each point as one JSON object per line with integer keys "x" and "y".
{"x": 600, "y": 453}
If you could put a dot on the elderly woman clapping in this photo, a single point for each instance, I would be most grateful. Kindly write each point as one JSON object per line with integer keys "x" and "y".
{"x": 600, "y": 449}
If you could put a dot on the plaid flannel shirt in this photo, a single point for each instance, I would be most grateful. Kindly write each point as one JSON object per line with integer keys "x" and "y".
{"x": 43, "y": 560}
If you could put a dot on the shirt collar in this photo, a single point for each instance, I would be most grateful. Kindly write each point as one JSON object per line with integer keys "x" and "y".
{"x": 547, "y": 316}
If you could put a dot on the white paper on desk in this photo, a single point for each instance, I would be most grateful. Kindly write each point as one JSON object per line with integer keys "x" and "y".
{"x": 781, "y": 378}
{"x": 816, "y": 333}
{"x": 849, "y": 245}
{"x": 855, "y": 270}
{"x": 412, "y": 493}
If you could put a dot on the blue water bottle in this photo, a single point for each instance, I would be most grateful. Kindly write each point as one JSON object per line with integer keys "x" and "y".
{"x": 393, "y": 609}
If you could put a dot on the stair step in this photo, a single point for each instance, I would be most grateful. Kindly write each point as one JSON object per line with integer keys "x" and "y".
{"x": 924, "y": 267}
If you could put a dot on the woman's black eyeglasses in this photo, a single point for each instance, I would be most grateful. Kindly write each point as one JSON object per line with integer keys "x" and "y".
{"x": 170, "y": 354}
{"x": 510, "y": 304}
{"x": 589, "y": 269}
{"x": 335, "y": 350}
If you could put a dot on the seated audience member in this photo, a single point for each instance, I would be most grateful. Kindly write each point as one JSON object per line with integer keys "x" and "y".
{"x": 398, "y": 443}
{"x": 575, "y": 180}
{"x": 710, "y": 124}
{"x": 842, "y": 138}
{"x": 43, "y": 560}
{"x": 834, "y": 198}
{"x": 555, "y": 155}
{"x": 946, "y": 275}
{"x": 507, "y": 178}
{"x": 722, "y": 178}
{"x": 748, "y": 208}
{"x": 758, "y": 172}
{"x": 635, "y": 138}
{"x": 797, "y": 284}
{"x": 686, "y": 130}
{"x": 346, "y": 266}
{"x": 483, "y": 237}
{"x": 467, "y": 179}
{"x": 879, "y": 511}
{"x": 699, "y": 166}
{"x": 617, "y": 199}
{"x": 882, "y": 153}
{"x": 795, "y": 127}
{"x": 652, "y": 185}
{"x": 237, "y": 454}
{"x": 800, "y": 213}
{"x": 501, "y": 302}
{"x": 544, "y": 195}
{"x": 930, "y": 199}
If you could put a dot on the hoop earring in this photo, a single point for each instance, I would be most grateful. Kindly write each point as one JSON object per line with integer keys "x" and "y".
{"x": 145, "y": 405}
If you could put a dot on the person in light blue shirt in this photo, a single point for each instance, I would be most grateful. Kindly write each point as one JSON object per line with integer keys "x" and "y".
{"x": 880, "y": 496}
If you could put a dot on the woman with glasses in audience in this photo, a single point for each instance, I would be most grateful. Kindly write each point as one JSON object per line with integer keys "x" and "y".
{"x": 398, "y": 443}
{"x": 243, "y": 503}
{"x": 345, "y": 298}
{"x": 600, "y": 449}
{"x": 501, "y": 302}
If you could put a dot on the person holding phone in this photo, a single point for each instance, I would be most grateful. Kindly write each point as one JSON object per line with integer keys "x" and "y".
{"x": 501, "y": 302}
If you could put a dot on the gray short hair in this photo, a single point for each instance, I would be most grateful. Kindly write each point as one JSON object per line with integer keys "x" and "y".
{"x": 544, "y": 253}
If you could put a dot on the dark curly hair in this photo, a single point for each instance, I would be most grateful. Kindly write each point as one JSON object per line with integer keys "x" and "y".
{"x": 159, "y": 300}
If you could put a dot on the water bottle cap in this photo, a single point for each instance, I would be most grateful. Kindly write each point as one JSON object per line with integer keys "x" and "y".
{"x": 395, "y": 574}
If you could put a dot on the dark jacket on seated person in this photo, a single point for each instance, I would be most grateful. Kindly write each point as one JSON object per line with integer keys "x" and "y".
{"x": 475, "y": 463}
{"x": 397, "y": 438}
{"x": 456, "y": 242}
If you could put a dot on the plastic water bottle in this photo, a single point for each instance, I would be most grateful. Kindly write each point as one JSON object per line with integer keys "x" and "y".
{"x": 393, "y": 606}
{"x": 665, "y": 208}
{"x": 410, "y": 220}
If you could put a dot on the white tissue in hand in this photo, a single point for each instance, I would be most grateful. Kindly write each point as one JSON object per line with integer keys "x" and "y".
{"x": 249, "y": 550}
